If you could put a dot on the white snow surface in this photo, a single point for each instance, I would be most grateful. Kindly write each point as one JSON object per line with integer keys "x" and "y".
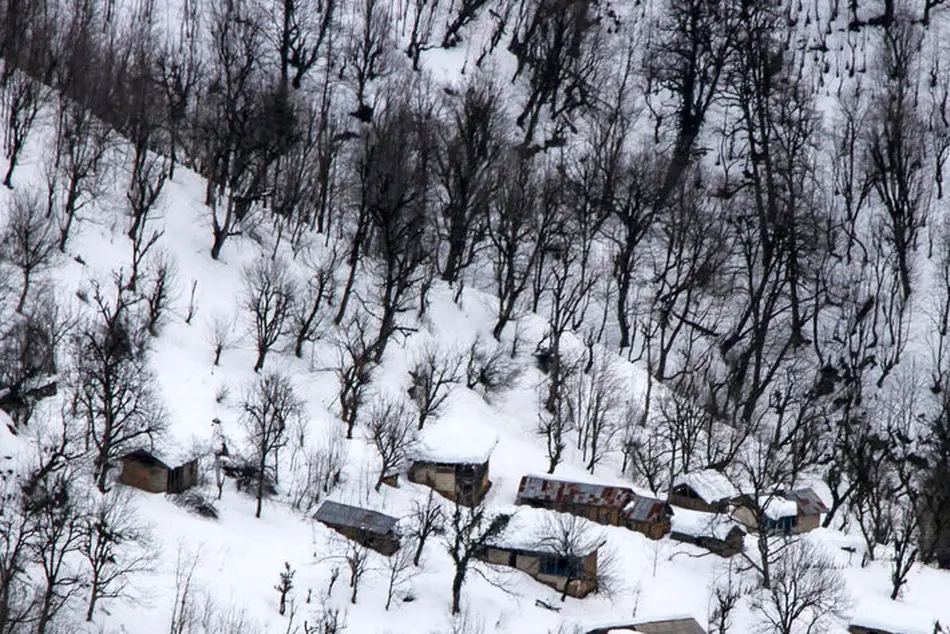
{"x": 455, "y": 441}
{"x": 777, "y": 507}
{"x": 708, "y": 484}
{"x": 238, "y": 557}
{"x": 701, "y": 524}
{"x": 534, "y": 529}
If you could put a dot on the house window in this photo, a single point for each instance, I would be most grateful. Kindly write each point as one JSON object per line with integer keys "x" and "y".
{"x": 560, "y": 566}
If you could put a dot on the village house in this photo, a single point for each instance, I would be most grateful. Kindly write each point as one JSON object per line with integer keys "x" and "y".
{"x": 716, "y": 533}
{"x": 143, "y": 470}
{"x": 810, "y": 508}
{"x": 706, "y": 490}
{"x": 778, "y": 515}
{"x": 680, "y": 625}
{"x": 369, "y": 528}
{"x": 794, "y": 512}
{"x": 530, "y": 544}
{"x": 453, "y": 462}
{"x": 613, "y": 505}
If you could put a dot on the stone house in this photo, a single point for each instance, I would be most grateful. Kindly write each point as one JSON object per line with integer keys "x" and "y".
{"x": 792, "y": 512}
{"x": 716, "y": 533}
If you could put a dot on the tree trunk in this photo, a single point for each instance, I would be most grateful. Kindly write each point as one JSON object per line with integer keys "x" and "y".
{"x": 457, "y": 582}
{"x": 260, "y": 482}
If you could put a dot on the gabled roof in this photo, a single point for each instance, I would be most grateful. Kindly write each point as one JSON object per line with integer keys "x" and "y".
{"x": 336, "y": 514}
{"x": 453, "y": 442}
{"x": 547, "y": 489}
{"x": 536, "y": 530}
{"x": 644, "y": 509}
{"x": 699, "y": 524}
{"x": 711, "y": 486}
{"x": 808, "y": 501}
{"x": 147, "y": 458}
{"x": 686, "y": 625}
{"x": 776, "y": 507}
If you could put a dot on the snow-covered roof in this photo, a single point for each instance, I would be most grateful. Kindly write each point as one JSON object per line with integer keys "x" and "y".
{"x": 888, "y": 616}
{"x": 776, "y": 507}
{"x": 535, "y": 530}
{"x": 711, "y": 486}
{"x": 454, "y": 442}
{"x": 699, "y": 524}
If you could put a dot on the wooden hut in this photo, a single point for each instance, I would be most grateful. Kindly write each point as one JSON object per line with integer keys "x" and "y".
{"x": 707, "y": 490}
{"x": 613, "y": 505}
{"x": 143, "y": 470}
{"x": 716, "y": 533}
{"x": 373, "y": 530}
{"x": 527, "y": 545}
{"x": 680, "y": 625}
{"x": 453, "y": 461}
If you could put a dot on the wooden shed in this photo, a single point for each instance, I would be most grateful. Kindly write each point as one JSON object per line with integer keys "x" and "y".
{"x": 525, "y": 546}
{"x": 679, "y": 625}
{"x": 373, "y": 530}
{"x": 143, "y": 470}
{"x": 707, "y": 490}
{"x": 453, "y": 462}
{"x": 605, "y": 504}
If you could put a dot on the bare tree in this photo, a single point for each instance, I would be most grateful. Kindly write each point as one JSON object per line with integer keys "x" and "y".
{"x": 149, "y": 174}
{"x": 469, "y": 531}
{"x": 320, "y": 473}
{"x": 427, "y": 520}
{"x": 353, "y": 370}
{"x": 357, "y": 560}
{"x": 114, "y": 392}
{"x": 115, "y": 547}
{"x": 269, "y": 299}
{"x": 400, "y": 571}
{"x": 390, "y": 430}
{"x": 82, "y": 143}
{"x": 284, "y": 586}
{"x": 161, "y": 277}
{"x": 466, "y": 170}
{"x": 594, "y": 402}
{"x": 319, "y": 292}
{"x": 572, "y": 538}
{"x": 221, "y": 335}
{"x": 23, "y": 98}
{"x": 27, "y": 240}
{"x": 269, "y": 406}
{"x": 807, "y": 593}
{"x": 367, "y": 51}
{"x": 432, "y": 375}
{"x": 304, "y": 28}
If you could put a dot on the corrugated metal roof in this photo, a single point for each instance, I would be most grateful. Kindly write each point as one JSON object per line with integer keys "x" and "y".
{"x": 539, "y": 489}
{"x": 668, "y": 626}
{"x": 644, "y": 509}
{"x": 336, "y": 514}
{"x": 808, "y": 501}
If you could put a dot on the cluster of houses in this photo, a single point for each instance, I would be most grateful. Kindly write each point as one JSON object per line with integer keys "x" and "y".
{"x": 703, "y": 508}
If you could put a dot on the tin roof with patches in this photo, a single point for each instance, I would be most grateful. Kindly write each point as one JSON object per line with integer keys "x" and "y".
{"x": 808, "y": 501}
{"x": 548, "y": 489}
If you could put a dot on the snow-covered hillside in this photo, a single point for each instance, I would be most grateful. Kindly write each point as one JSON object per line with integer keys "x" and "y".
{"x": 780, "y": 319}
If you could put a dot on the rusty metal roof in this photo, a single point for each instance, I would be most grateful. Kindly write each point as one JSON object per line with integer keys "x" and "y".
{"x": 808, "y": 501}
{"x": 644, "y": 509}
{"x": 542, "y": 489}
